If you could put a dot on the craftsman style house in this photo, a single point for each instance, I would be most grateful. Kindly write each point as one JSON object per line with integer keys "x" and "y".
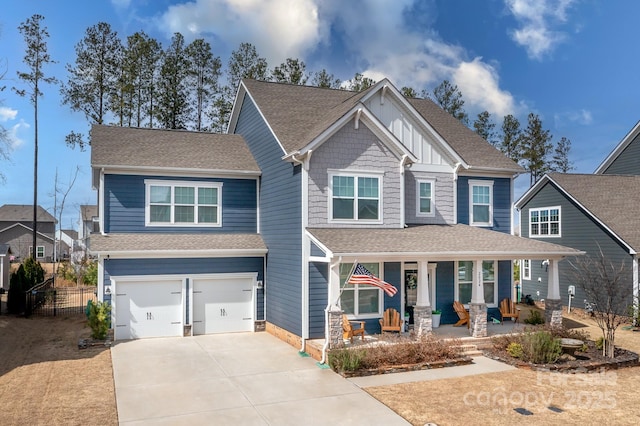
{"x": 592, "y": 213}
{"x": 308, "y": 182}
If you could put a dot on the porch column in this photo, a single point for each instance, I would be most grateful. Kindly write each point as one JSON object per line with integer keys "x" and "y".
{"x": 553, "y": 302}
{"x": 422, "y": 311}
{"x": 477, "y": 307}
{"x": 334, "y": 313}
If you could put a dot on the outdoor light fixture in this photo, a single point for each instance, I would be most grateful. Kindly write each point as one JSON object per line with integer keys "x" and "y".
{"x": 545, "y": 264}
{"x": 107, "y": 290}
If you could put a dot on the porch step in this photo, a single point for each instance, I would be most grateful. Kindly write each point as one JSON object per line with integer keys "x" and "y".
{"x": 470, "y": 349}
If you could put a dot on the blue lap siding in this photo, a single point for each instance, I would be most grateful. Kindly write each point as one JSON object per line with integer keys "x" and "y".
{"x": 318, "y": 293}
{"x": 501, "y": 202}
{"x": 124, "y": 205}
{"x": 281, "y": 220}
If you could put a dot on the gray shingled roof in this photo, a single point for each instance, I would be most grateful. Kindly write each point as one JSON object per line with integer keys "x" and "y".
{"x": 437, "y": 242}
{"x": 172, "y": 243}
{"x": 88, "y": 211}
{"x": 297, "y": 114}
{"x": 613, "y": 199}
{"x": 174, "y": 149}
{"x": 23, "y": 213}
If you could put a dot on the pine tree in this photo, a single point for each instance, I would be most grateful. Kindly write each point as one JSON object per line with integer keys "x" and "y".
{"x": 173, "y": 107}
{"x": 511, "y": 139}
{"x": 203, "y": 75}
{"x": 323, "y": 79}
{"x": 291, "y": 71}
{"x": 449, "y": 97}
{"x": 484, "y": 127}
{"x": 560, "y": 161}
{"x": 17, "y": 287}
{"x": 536, "y": 148}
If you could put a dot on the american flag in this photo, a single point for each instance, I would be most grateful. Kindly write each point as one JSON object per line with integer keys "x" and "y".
{"x": 362, "y": 276}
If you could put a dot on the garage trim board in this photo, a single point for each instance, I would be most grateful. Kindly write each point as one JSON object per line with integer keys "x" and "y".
{"x": 167, "y": 305}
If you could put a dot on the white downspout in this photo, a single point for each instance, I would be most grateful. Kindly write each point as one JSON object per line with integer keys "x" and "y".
{"x": 402, "y": 194}
{"x": 636, "y": 288}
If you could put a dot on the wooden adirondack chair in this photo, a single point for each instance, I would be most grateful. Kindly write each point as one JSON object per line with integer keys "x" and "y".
{"x": 391, "y": 321}
{"x": 462, "y": 314}
{"x": 508, "y": 310}
{"x": 348, "y": 329}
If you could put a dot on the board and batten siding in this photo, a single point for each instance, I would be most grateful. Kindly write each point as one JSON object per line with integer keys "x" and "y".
{"x": 400, "y": 122}
{"x": 353, "y": 150}
{"x": 443, "y": 198}
{"x": 280, "y": 220}
{"x": 501, "y": 202}
{"x": 188, "y": 267}
{"x": 627, "y": 162}
{"x": 577, "y": 230}
{"x": 124, "y": 210}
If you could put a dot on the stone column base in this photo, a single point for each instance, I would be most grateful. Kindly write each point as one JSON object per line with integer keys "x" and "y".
{"x": 553, "y": 312}
{"x": 422, "y": 322}
{"x": 478, "y": 319}
{"x": 335, "y": 328}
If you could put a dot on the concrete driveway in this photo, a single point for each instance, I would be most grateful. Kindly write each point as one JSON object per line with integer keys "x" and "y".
{"x": 234, "y": 379}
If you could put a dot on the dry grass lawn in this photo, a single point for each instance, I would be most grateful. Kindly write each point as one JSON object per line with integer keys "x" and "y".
{"x": 603, "y": 398}
{"x": 46, "y": 380}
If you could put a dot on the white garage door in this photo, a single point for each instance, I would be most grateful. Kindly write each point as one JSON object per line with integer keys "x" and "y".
{"x": 222, "y": 305}
{"x": 150, "y": 308}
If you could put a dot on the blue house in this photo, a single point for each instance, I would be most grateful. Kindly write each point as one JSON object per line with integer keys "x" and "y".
{"x": 317, "y": 180}
{"x": 589, "y": 212}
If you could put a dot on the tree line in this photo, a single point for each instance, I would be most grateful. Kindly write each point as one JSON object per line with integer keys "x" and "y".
{"x": 136, "y": 82}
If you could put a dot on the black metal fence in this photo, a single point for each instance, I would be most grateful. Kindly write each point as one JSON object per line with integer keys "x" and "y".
{"x": 47, "y": 300}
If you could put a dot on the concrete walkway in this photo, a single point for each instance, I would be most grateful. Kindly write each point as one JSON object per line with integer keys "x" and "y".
{"x": 234, "y": 379}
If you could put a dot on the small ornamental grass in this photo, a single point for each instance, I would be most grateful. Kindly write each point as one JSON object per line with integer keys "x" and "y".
{"x": 394, "y": 351}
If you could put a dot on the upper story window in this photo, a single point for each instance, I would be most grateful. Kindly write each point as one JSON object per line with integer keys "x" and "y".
{"x": 355, "y": 197}
{"x": 39, "y": 251}
{"x": 424, "y": 197}
{"x": 544, "y": 222}
{"x": 481, "y": 202}
{"x": 178, "y": 203}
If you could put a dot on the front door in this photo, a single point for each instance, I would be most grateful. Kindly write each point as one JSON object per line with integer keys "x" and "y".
{"x": 411, "y": 287}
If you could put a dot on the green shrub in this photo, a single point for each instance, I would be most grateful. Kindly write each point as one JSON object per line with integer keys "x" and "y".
{"x": 535, "y": 318}
{"x": 600, "y": 343}
{"x": 91, "y": 274}
{"x": 33, "y": 272}
{"x": 99, "y": 319}
{"x": 515, "y": 350}
{"x": 346, "y": 359}
{"x": 17, "y": 286}
{"x": 540, "y": 347}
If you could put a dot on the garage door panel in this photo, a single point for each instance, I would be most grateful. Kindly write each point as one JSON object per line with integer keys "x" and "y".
{"x": 148, "y": 309}
{"x": 222, "y": 305}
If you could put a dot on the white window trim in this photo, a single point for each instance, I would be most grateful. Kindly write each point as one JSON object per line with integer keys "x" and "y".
{"x": 473, "y": 183}
{"x": 432, "y": 213}
{"x": 44, "y": 253}
{"x": 538, "y": 209}
{"x": 355, "y": 175}
{"x": 456, "y": 290}
{"x": 173, "y": 183}
{"x": 356, "y": 288}
{"x": 526, "y": 270}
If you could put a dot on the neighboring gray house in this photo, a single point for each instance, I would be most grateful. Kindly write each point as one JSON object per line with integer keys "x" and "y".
{"x": 89, "y": 222}
{"x": 67, "y": 240}
{"x": 589, "y": 212}
{"x": 16, "y": 230}
{"x": 5, "y": 254}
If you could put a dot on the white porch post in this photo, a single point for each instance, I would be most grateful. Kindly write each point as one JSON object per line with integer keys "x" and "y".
{"x": 553, "y": 302}
{"x": 477, "y": 307}
{"x": 334, "y": 313}
{"x": 422, "y": 311}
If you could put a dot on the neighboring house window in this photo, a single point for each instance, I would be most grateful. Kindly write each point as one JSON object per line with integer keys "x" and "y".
{"x": 464, "y": 282}
{"x": 176, "y": 203}
{"x": 360, "y": 300}
{"x": 424, "y": 194}
{"x": 481, "y": 202}
{"x": 39, "y": 251}
{"x": 544, "y": 222}
{"x": 526, "y": 269}
{"x": 355, "y": 197}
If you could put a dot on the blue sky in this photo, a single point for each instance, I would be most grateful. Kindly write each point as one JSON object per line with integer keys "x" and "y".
{"x": 573, "y": 62}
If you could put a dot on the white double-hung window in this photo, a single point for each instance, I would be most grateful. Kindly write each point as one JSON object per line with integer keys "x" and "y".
{"x": 361, "y": 301}
{"x": 355, "y": 197}
{"x": 464, "y": 282}
{"x": 180, "y": 203}
{"x": 481, "y": 202}
{"x": 424, "y": 197}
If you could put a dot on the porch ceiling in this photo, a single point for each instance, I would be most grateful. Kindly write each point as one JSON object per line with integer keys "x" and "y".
{"x": 435, "y": 242}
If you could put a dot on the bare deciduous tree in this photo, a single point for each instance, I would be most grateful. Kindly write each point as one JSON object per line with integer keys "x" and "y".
{"x": 606, "y": 285}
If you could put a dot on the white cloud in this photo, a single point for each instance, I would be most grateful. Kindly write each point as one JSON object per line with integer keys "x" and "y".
{"x": 582, "y": 117}
{"x": 7, "y": 114}
{"x": 538, "y": 20}
{"x": 15, "y": 141}
{"x": 478, "y": 83}
{"x": 279, "y": 29}
{"x": 123, "y": 4}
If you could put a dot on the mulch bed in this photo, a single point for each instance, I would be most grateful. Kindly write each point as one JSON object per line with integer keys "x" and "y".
{"x": 584, "y": 362}
{"x": 407, "y": 367}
